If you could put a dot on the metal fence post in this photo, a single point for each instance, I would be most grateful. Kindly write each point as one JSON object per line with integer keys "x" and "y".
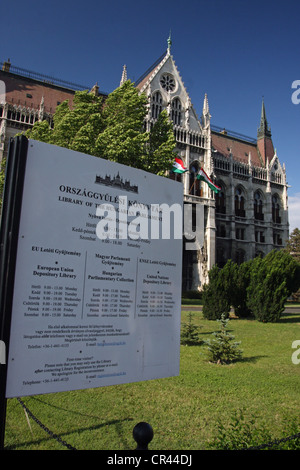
{"x": 142, "y": 434}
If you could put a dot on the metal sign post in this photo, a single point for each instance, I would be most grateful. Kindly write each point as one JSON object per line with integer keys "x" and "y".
{"x": 10, "y": 218}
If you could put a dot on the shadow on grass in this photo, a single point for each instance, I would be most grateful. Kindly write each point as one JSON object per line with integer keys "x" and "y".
{"x": 62, "y": 409}
{"x": 251, "y": 360}
{"x": 116, "y": 422}
{"x": 289, "y": 318}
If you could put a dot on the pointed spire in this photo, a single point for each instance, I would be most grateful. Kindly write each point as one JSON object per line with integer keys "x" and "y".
{"x": 169, "y": 43}
{"x": 124, "y": 75}
{"x": 205, "y": 105}
{"x": 264, "y": 130}
{"x": 205, "y": 113}
{"x": 41, "y": 109}
{"x": 95, "y": 89}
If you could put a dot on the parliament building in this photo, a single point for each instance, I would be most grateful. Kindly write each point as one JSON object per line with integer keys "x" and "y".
{"x": 248, "y": 217}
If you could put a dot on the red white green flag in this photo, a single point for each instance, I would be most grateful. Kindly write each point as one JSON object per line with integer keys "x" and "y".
{"x": 178, "y": 166}
{"x": 202, "y": 176}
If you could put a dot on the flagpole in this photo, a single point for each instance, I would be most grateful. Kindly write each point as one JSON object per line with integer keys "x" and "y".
{"x": 192, "y": 186}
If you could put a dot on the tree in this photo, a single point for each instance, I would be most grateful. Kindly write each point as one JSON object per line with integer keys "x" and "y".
{"x": 241, "y": 279}
{"x": 41, "y": 131}
{"x": 113, "y": 130}
{"x": 189, "y": 332}
{"x": 215, "y": 297}
{"x": 75, "y": 128}
{"x": 160, "y": 150}
{"x": 293, "y": 248}
{"x": 288, "y": 266}
{"x": 293, "y": 244}
{"x": 272, "y": 281}
{"x": 222, "y": 349}
{"x": 124, "y": 140}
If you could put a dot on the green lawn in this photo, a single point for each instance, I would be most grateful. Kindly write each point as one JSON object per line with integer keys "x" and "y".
{"x": 184, "y": 411}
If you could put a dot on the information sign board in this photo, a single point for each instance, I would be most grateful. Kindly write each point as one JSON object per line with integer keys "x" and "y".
{"x": 96, "y": 298}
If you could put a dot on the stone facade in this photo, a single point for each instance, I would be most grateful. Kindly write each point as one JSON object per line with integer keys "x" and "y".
{"x": 248, "y": 217}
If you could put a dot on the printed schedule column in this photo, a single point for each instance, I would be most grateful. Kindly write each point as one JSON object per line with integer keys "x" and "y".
{"x": 156, "y": 289}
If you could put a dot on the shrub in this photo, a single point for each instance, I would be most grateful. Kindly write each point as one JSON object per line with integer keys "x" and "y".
{"x": 222, "y": 349}
{"x": 239, "y": 291}
{"x": 190, "y": 332}
{"x": 215, "y": 300}
{"x": 240, "y": 433}
{"x": 272, "y": 280}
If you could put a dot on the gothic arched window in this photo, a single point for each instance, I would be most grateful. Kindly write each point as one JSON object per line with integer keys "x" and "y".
{"x": 176, "y": 111}
{"x": 221, "y": 201}
{"x": 239, "y": 203}
{"x": 156, "y": 104}
{"x": 276, "y": 209}
{"x": 258, "y": 206}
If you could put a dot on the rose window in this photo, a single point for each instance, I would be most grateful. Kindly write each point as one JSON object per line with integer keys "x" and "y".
{"x": 168, "y": 82}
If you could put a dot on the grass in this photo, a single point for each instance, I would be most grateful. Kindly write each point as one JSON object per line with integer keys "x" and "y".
{"x": 184, "y": 411}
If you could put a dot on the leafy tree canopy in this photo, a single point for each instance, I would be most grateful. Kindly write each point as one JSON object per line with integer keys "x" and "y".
{"x": 293, "y": 244}
{"x": 113, "y": 129}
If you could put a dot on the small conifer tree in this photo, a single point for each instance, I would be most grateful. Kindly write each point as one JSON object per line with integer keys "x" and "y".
{"x": 190, "y": 332}
{"x": 222, "y": 349}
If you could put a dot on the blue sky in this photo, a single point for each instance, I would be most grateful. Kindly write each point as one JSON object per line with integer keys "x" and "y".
{"x": 235, "y": 51}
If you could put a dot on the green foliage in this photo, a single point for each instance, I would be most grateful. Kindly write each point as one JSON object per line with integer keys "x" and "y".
{"x": 240, "y": 433}
{"x": 241, "y": 279}
{"x": 259, "y": 287}
{"x": 222, "y": 349}
{"x": 288, "y": 266}
{"x": 76, "y": 128}
{"x": 293, "y": 248}
{"x": 113, "y": 130}
{"x": 265, "y": 384}
{"x": 272, "y": 281}
{"x": 123, "y": 140}
{"x": 190, "y": 332}
{"x": 293, "y": 244}
{"x": 160, "y": 151}
{"x": 215, "y": 295}
{"x": 40, "y": 131}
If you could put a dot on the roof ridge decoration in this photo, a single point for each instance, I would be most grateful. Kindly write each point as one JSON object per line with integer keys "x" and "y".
{"x": 152, "y": 71}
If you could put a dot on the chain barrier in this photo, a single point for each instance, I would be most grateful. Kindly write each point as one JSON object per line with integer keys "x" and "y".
{"x": 64, "y": 443}
{"x": 273, "y": 443}
{"x": 52, "y": 434}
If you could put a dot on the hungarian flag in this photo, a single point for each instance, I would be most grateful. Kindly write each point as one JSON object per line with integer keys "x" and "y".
{"x": 178, "y": 166}
{"x": 202, "y": 176}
